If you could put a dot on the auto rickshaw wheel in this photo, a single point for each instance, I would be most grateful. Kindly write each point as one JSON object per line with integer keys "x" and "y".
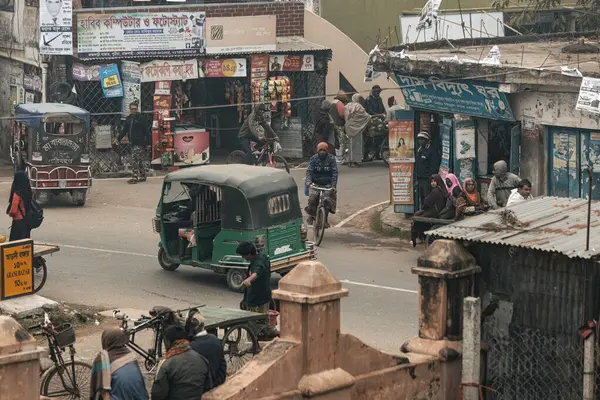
{"x": 164, "y": 262}
{"x": 236, "y": 157}
{"x": 79, "y": 197}
{"x": 235, "y": 277}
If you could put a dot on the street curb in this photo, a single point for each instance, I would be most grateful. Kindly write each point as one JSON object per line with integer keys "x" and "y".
{"x": 395, "y": 222}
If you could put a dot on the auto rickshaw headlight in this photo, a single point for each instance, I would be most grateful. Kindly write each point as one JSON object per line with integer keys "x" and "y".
{"x": 303, "y": 231}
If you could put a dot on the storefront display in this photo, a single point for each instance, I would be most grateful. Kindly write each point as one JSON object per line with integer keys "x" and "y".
{"x": 275, "y": 90}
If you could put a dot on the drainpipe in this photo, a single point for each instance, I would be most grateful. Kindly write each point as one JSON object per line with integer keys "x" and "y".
{"x": 44, "y": 79}
{"x": 589, "y": 374}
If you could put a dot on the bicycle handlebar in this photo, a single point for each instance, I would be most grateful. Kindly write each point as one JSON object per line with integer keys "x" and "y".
{"x": 321, "y": 188}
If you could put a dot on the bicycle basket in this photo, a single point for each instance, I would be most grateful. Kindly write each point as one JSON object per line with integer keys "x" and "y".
{"x": 65, "y": 335}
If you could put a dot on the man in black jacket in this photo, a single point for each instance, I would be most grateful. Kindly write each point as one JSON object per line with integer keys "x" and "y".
{"x": 182, "y": 374}
{"x": 374, "y": 103}
{"x": 207, "y": 345}
{"x": 427, "y": 163}
{"x": 136, "y": 130}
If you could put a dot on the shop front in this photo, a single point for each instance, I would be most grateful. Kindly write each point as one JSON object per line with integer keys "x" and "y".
{"x": 471, "y": 125}
{"x": 197, "y": 90}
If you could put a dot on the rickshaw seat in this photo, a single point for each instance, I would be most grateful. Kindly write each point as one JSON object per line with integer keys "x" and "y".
{"x": 159, "y": 310}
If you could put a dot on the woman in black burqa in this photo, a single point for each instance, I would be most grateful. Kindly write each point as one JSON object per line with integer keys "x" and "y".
{"x": 19, "y": 206}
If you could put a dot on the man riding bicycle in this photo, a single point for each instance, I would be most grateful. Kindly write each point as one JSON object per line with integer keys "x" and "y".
{"x": 322, "y": 171}
{"x": 256, "y": 128}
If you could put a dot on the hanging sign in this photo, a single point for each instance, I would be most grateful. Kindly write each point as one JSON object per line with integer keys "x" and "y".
{"x": 589, "y": 95}
{"x": 259, "y": 67}
{"x": 32, "y": 82}
{"x": 401, "y": 139}
{"x": 224, "y": 68}
{"x": 162, "y": 88}
{"x": 110, "y": 79}
{"x": 130, "y": 73}
{"x": 56, "y": 27}
{"x": 17, "y": 268}
{"x": 465, "y": 139}
{"x": 140, "y": 34}
{"x": 401, "y": 181}
{"x": 481, "y": 99}
{"x": 168, "y": 70}
{"x": 296, "y": 62}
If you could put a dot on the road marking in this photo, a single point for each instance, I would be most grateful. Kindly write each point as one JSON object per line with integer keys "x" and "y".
{"x": 154, "y": 256}
{"x": 378, "y": 286}
{"x": 356, "y": 214}
{"x": 127, "y": 253}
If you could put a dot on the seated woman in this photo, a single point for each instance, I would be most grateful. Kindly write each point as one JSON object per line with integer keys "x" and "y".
{"x": 433, "y": 204}
{"x": 454, "y": 192}
{"x": 469, "y": 202}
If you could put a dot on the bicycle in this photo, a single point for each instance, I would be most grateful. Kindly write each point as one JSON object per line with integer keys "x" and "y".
{"x": 66, "y": 379}
{"x": 322, "y": 213}
{"x": 160, "y": 318}
{"x": 263, "y": 156}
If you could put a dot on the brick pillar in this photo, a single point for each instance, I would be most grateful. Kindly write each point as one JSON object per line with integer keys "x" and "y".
{"x": 19, "y": 362}
{"x": 310, "y": 314}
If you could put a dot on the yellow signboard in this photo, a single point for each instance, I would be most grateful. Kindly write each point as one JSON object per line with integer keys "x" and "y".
{"x": 17, "y": 268}
{"x": 111, "y": 81}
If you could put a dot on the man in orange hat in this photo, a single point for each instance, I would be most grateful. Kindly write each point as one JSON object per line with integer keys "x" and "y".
{"x": 322, "y": 171}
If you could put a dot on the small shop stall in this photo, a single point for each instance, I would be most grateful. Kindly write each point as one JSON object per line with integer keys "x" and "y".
{"x": 471, "y": 126}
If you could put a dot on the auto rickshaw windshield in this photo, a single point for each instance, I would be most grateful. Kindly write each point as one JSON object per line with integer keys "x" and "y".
{"x": 59, "y": 128}
{"x": 175, "y": 192}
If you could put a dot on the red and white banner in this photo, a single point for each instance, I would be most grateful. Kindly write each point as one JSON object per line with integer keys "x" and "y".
{"x": 168, "y": 70}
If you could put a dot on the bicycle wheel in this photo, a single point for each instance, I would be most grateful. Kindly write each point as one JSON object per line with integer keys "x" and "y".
{"x": 40, "y": 273}
{"x": 236, "y": 157}
{"x": 319, "y": 225}
{"x": 278, "y": 162}
{"x": 61, "y": 383}
{"x": 239, "y": 346}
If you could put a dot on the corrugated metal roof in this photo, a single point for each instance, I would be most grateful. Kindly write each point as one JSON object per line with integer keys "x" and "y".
{"x": 553, "y": 224}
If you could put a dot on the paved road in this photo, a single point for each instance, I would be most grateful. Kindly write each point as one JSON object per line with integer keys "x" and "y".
{"x": 108, "y": 258}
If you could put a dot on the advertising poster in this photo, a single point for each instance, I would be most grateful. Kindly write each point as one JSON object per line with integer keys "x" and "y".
{"x": 296, "y": 62}
{"x": 445, "y": 136}
{"x": 131, "y": 76}
{"x": 110, "y": 79}
{"x": 564, "y": 163}
{"x": 465, "y": 140}
{"x": 224, "y": 68}
{"x": 401, "y": 181}
{"x": 162, "y": 108}
{"x": 169, "y": 70}
{"x": 162, "y": 88}
{"x": 56, "y": 27}
{"x": 401, "y": 138}
{"x": 589, "y": 95}
{"x": 259, "y": 67}
{"x": 17, "y": 268}
{"x": 140, "y": 34}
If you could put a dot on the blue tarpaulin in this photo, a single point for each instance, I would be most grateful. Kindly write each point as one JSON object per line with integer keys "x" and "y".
{"x": 32, "y": 114}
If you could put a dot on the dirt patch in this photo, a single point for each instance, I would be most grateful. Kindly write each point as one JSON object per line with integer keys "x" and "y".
{"x": 377, "y": 227}
{"x": 79, "y": 316}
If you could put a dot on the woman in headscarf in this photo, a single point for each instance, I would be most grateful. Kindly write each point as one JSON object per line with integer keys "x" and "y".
{"x": 19, "y": 206}
{"x": 433, "y": 205}
{"x": 469, "y": 202}
{"x": 357, "y": 122}
{"x": 115, "y": 372}
{"x": 324, "y": 129}
{"x": 454, "y": 191}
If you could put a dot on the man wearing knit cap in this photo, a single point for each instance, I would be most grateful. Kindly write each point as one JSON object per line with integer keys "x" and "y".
{"x": 427, "y": 163}
{"x": 322, "y": 171}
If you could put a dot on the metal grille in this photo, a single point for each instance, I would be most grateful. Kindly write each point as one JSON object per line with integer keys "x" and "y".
{"x": 528, "y": 364}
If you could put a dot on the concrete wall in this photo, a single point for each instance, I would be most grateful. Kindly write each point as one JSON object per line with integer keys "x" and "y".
{"x": 546, "y": 109}
{"x": 348, "y": 58}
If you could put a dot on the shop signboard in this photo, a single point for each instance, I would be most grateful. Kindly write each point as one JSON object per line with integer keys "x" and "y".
{"x": 17, "y": 268}
{"x": 169, "y": 70}
{"x": 480, "y": 99}
{"x": 140, "y": 34}
{"x": 56, "y": 27}
{"x": 401, "y": 181}
{"x": 589, "y": 95}
{"x": 103, "y": 135}
{"x": 290, "y": 137}
{"x": 32, "y": 82}
{"x": 110, "y": 79}
{"x": 401, "y": 139}
{"x": 224, "y": 68}
{"x": 87, "y": 73}
{"x": 294, "y": 62}
{"x": 241, "y": 34}
{"x": 131, "y": 76}
{"x": 259, "y": 67}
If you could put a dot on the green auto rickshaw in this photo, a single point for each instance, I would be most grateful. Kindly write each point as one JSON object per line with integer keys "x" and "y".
{"x": 206, "y": 211}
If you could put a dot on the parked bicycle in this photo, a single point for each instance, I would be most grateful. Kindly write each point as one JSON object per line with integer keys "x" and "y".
{"x": 264, "y": 156}
{"x": 66, "y": 379}
{"x": 322, "y": 213}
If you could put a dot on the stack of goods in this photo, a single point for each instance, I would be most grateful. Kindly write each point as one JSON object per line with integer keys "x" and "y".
{"x": 238, "y": 93}
{"x": 277, "y": 89}
{"x": 377, "y": 127}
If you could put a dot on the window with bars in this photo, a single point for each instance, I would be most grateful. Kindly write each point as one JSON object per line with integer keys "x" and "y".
{"x": 279, "y": 204}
